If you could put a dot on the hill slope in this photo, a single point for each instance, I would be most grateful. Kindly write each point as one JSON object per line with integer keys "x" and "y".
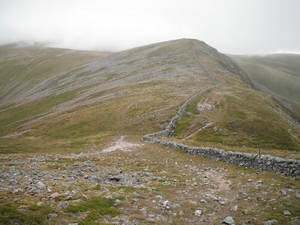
{"x": 63, "y": 99}
{"x": 277, "y": 75}
{"x": 80, "y": 118}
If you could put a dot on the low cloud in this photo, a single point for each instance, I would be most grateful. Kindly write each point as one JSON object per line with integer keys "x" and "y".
{"x": 232, "y": 26}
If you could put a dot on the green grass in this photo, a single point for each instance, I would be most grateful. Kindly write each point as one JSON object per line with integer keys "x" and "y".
{"x": 277, "y": 75}
{"x": 242, "y": 118}
{"x": 96, "y": 208}
{"x": 34, "y": 216}
{"x": 11, "y": 119}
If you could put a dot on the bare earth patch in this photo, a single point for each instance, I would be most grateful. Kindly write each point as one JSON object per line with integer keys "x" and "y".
{"x": 121, "y": 145}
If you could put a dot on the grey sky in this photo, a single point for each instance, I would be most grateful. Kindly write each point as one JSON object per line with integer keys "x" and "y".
{"x": 231, "y": 26}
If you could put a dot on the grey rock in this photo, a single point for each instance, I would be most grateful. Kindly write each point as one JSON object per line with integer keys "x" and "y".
{"x": 69, "y": 194}
{"x": 228, "y": 220}
{"x": 52, "y": 216}
{"x": 296, "y": 221}
{"x": 166, "y": 204}
{"x": 286, "y": 212}
{"x": 235, "y": 208}
{"x": 63, "y": 205}
{"x": 18, "y": 190}
{"x": 118, "y": 202}
{"x": 174, "y": 206}
{"x": 270, "y": 222}
{"x": 40, "y": 185}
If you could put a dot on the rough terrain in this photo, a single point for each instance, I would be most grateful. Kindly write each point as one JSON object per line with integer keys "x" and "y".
{"x": 71, "y": 130}
{"x": 150, "y": 185}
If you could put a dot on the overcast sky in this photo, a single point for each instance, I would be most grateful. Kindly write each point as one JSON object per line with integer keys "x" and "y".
{"x": 231, "y": 26}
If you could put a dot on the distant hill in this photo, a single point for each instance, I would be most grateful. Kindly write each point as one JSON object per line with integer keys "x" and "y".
{"x": 58, "y": 99}
{"x": 277, "y": 75}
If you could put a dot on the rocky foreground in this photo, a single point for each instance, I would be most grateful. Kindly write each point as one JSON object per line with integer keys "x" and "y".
{"x": 143, "y": 184}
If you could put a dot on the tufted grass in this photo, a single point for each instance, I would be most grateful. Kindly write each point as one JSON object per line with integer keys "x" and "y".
{"x": 9, "y": 214}
{"x": 96, "y": 207}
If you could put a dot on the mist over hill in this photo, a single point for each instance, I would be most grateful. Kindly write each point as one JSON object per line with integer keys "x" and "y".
{"x": 277, "y": 75}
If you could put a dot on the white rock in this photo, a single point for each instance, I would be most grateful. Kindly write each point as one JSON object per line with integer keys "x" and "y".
{"x": 286, "y": 213}
{"x": 228, "y": 220}
{"x": 198, "y": 212}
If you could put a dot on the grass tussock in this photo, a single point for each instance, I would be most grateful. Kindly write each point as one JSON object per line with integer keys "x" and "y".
{"x": 96, "y": 207}
{"x": 34, "y": 215}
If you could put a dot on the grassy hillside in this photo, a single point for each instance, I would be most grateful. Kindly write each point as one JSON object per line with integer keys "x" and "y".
{"x": 277, "y": 75}
{"x": 55, "y": 100}
{"x": 71, "y": 128}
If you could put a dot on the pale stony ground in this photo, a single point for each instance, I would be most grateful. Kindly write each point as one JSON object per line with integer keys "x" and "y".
{"x": 157, "y": 185}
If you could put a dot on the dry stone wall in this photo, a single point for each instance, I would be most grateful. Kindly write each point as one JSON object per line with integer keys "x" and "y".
{"x": 287, "y": 167}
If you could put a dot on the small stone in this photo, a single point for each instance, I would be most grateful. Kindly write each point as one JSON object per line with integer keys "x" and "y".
{"x": 283, "y": 192}
{"x": 54, "y": 195}
{"x": 158, "y": 196}
{"x": 85, "y": 176}
{"x": 118, "y": 202}
{"x": 297, "y": 195}
{"x": 245, "y": 212}
{"x": 40, "y": 204}
{"x": 198, "y": 212}
{"x": 270, "y": 222}
{"x": 73, "y": 223}
{"x": 286, "y": 213}
{"x": 52, "y": 216}
{"x": 235, "y": 208}
{"x": 40, "y": 185}
{"x": 296, "y": 221}
{"x": 22, "y": 208}
{"x": 63, "y": 205}
{"x": 203, "y": 201}
{"x": 69, "y": 194}
{"x": 228, "y": 220}
{"x": 174, "y": 206}
{"x": 166, "y": 204}
{"x": 16, "y": 191}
